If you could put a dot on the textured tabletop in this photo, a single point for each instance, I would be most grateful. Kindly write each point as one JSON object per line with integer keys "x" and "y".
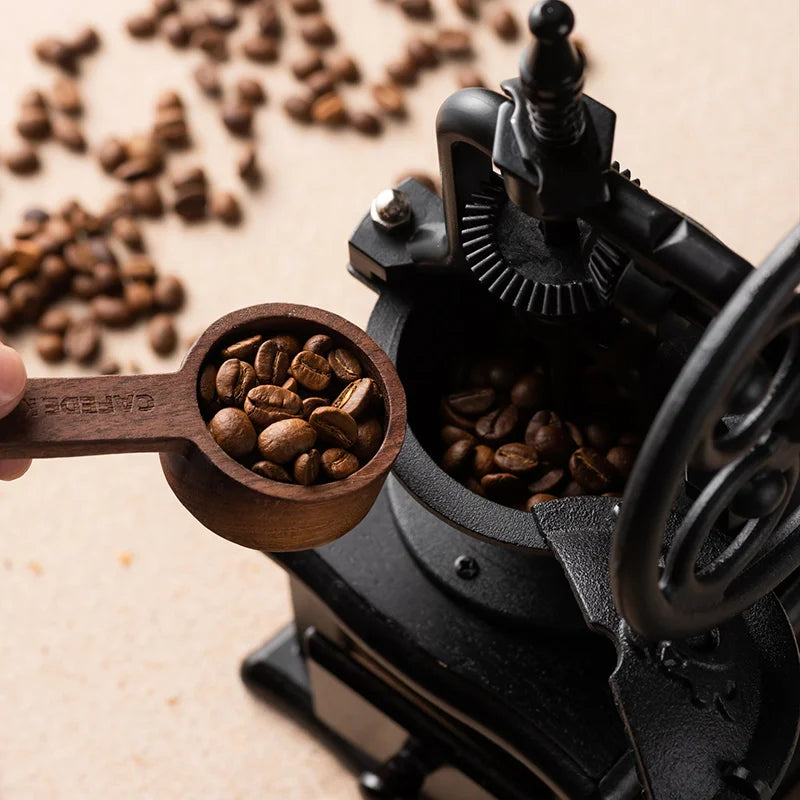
{"x": 123, "y": 620}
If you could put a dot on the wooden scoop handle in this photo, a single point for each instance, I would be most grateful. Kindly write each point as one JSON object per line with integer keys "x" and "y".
{"x": 108, "y": 414}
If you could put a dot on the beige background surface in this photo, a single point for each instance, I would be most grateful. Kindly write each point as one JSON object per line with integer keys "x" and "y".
{"x": 121, "y": 681}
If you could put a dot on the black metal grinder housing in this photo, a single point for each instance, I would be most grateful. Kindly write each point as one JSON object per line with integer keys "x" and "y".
{"x": 459, "y": 648}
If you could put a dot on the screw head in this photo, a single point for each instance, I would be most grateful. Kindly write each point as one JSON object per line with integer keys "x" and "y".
{"x": 467, "y": 567}
{"x": 390, "y": 209}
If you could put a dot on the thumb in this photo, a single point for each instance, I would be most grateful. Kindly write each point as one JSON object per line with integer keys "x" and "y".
{"x": 12, "y": 379}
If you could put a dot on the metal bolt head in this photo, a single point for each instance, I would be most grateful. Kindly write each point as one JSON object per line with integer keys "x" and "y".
{"x": 390, "y": 209}
{"x": 467, "y": 567}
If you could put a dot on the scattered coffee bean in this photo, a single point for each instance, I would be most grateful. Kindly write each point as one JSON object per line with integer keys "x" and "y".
{"x": 250, "y": 91}
{"x": 469, "y": 77}
{"x": 504, "y": 24}
{"x": 65, "y": 97}
{"x": 422, "y": 52}
{"x": 547, "y": 482}
{"x": 329, "y": 110}
{"x": 338, "y": 464}
{"x": 469, "y": 8}
{"x": 22, "y": 161}
{"x": 458, "y": 457}
{"x": 454, "y": 43}
{"x": 50, "y": 347}
{"x": 306, "y": 6}
{"x": 554, "y": 444}
{"x": 223, "y": 17}
{"x": 307, "y": 64}
{"x": 416, "y": 9}
{"x": 261, "y": 49}
{"x": 269, "y": 21}
{"x": 402, "y": 71}
{"x": 82, "y": 341}
{"x": 161, "y": 8}
{"x": 365, "y": 123}
{"x": 67, "y": 132}
{"x": 85, "y": 42}
{"x": 54, "y": 320}
{"x": 271, "y": 470}
{"x": 162, "y": 335}
{"x": 225, "y": 208}
{"x": 321, "y": 82}
{"x": 498, "y": 425}
{"x": 390, "y": 99}
{"x": 33, "y": 123}
{"x": 146, "y": 198}
{"x": 207, "y": 78}
{"x": 472, "y": 402}
{"x": 317, "y": 31}
{"x": 176, "y": 30}
{"x": 298, "y": 108}
{"x": 141, "y": 26}
{"x": 56, "y": 52}
{"x": 345, "y": 68}
{"x": 139, "y": 297}
{"x": 113, "y": 312}
{"x": 591, "y": 470}
{"x": 483, "y": 461}
{"x": 109, "y": 367}
{"x": 247, "y": 165}
{"x": 516, "y": 458}
{"x": 622, "y": 458}
{"x": 502, "y": 487}
{"x": 127, "y": 230}
{"x": 238, "y": 118}
{"x": 233, "y": 432}
{"x": 168, "y": 293}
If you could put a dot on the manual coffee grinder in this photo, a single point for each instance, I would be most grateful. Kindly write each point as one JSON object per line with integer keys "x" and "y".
{"x": 458, "y": 648}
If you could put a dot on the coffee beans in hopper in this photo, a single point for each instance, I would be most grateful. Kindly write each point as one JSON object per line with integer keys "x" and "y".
{"x": 292, "y": 409}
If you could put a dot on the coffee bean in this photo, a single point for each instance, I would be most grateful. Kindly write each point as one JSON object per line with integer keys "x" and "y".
{"x": 54, "y": 275}
{"x": 168, "y": 293}
{"x": 170, "y": 128}
{"x": 469, "y": 77}
{"x": 211, "y": 41}
{"x": 317, "y": 31}
{"x": 320, "y": 344}
{"x": 85, "y": 42}
{"x": 288, "y": 343}
{"x": 452, "y": 418}
{"x": 261, "y": 49}
{"x": 109, "y": 367}
{"x": 298, "y": 108}
{"x": 82, "y": 341}
{"x": 402, "y": 71}
{"x": 457, "y": 459}
{"x": 307, "y": 64}
{"x": 54, "y": 320}
{"x": 472, "y": 402}
{"x": 307, "y": 467}
{"x": 127, "y": 230}
{"x": 537, "y": 421}
{"x": 141, "y": 26}
{"x": 23, "y": 160}
{"x": 622, "y": 458}
{"x": 67, "y": 132}
{"x": 286, "y": 439}
{"x": 452, "y": 433}
{"x": 207, "y": 384}
{"x": 390, "y": 99}
{"x": 502, "y": 374}
{"x": 358, "y": 398}
{"x": 50, "y": 347}
{"x": 416, "y": 9}
{"x": 575, "y": 433}
{"x": 334, "y": 426}
{"x": 56, "y": 52}
{"x": 235, "y": 379}
{"x": 244, "y": 349}
{"x": 454, "y": 43}
{"x": 369, "y": 438}
{"x": 483, "y": 461}
{"x": 238, "y": 118}
{"x": 529, "y": 391}
{"x": 251, "y": 91}
{"x": 541, "y": 497}
{"x": 111, "y": 154}
{"x": 573, "y": 489}
{"x": 138, "y": 268}
{"x": 33, "y": 123}
{"x": 247, "y": 166}
{"x": 267, "y": 404}
{"x": 191, "y": 202}
{"x": 7, "y": 320}
{"x": 365, "y": 123}
{"x": 504, "y": 24}
{"x": 591, "y": 470}
{"x": 306, "y": 6}
{"x": 502, "y": 486}
{"x": 344, "y": 364}
{"x": 553, "y": 444}
{"x": 329, "y": 110}
{"x": 85, "y": 286}
{"x": 111, "y": 311}
{"x": 548, "y": 482}
{"x": 26, "y": 299}
{"x": 599, "y": 435}
{"x": 497, "y": 425}
{"x": 233, "y": 432}
{"x": 469, "y": 8}
{"x": 223, "y": 17}
{"x": 321, "y": 82}
{"x": 292, "y": 385}
{"x": 65, "y": 97}
{"x": 207, "y": 78}
{"x": 338, "y": 464}
{"x": 269, "y": 21}
{"x": 226, "y": 208}
{"x": 176, "y": 30}
{"x": 134, "y": 169}
{"x": 162, "y": 8}
{"x": 630, "y": 439}
{"x": 162, "y": 335}
{"x": 422, "y": 52}
{"x": 345, "y": 68}
{"x": 310, "y": 370}
{"x": 516, "y": 458}
{"x": 268, "y": 469}
{"x": 271, "y": 363}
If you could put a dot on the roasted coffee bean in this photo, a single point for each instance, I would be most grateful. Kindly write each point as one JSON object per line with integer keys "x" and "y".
{"x": 141, "y": 26}
{"x": 320, "y": 343}
{"x": 271, "y": 363}
{"x": 247, "y": 166}
{"x": 457, "y": 459}
{"x": 469, "y": 77}
{"x": 402, "y": 71}
{"x": 56, "y": 52}
{"x": 161, "y": 334}
{"x": 127, "y": 230}
{"x": 261, "y": 49}
{"x": 630, "y": 439}
{"x": 163, "y": 7}
{"x": 338, "y": 464}
{"x": 292, "y": 385}
{"x": 138, "y": 268}
{"x": 80, "y": 256}
{"x": 23, "y": 160}
{"x": 109, "y": 366}
{"x": 168, "y": 293}
{"x": 575, "y": 433}
{"x": 599, "y": 435}
{"x": 235, "y": 379}
{"x": 591, "y": 470}
{"x": 469, "y": 8}
{"x": 305, "y": 65}
{"x": 267, "y": 404}
{"x": 65, "y": 97}
{"x": 310, "y": 370}
{"x": 365, "y": 123}
{"x": 423, "y": 52}
{"x": 85, "y": 286}
{"x": 306, "y": 6}
{"x": 329, "y": 110}
{"x": 111, "y": 311}
{"x": 107, "y": 277}
{"x": 416, "y": 9}
{"x": 516, "y": 457}
{"x": 452, "y": 418}
{"x": 226, "y": 208}
{"x": 223, "y": 17}
{"x": 33, "y": 98}
{"x": 207, "y": 384}
{"x": 537, "y": 421}
{"x": 275, "y": 472}
{"x": 288, "y": 343}
{"x": 34, "y": 123}
{"x": 170, "y": 128}
{"x": 244, "y": 349}
{"x": 530, "y": 391}
{"x": 138, "y": 297}
{"x": 622, "y": 458}
{"x": 483, "y": 461}
{"x": 307, "y": 467}
{"x": 390, "y": 99}
{"x": 298, "y": 108}
{"x": 207, "y": 78}
{"x": 310, "y": 403}
{"x": 238, "y": 118}
{"x": 82, "y": 341}
{"x": 111, "y": 154}
{"x": 191, "y": 203}
{"x": 573, "y": 489}
{"x": 269, "y": 21}
{"x": 26, "y": 299}
{"x": 472, "y": 402}
{"x": 344, "y": 364}
{"x": 211, "y": 41}
{"x": 452, "y": 433}
{"x": 54, "y": 320}
{"x": 176, "y": 29}
{"x": 6, "y": 313}
{"x": 504, "y": 24}
{"x": 540, "y": 497}
{"x": 317, "y": 31}
{"x": 502, "y": 486}
{"x": 85, "y": 42}
{"x": 286, "y": 439}
{"x": 498, "y": 425}
{"x": 548, "y": 482}
{"x": 50, "y": 347}
{"x": 358, "y": 398}
{"x": 67, "y": 132}
{"x": 345, "y": 68}
{"x": 502, "y": 374}
{"x": 553, "y": 444}
{"x": 251, "y": 91}
{"x": 368, "y": 440}
{"x": 321, "y": 82}
{"x": 146, "y": 198}
{"x": 334, "y": 426}
{"x": 454, "y": 43}
{"x": 233, "y": 432}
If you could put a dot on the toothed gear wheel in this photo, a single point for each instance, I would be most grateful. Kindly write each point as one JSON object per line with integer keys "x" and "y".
{"x": 506, "y": 251}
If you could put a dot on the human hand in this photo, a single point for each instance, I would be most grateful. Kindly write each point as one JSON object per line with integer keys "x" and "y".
{"x": 12, "y": 387}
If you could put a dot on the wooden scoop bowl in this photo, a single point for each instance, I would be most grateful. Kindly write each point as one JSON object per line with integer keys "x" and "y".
{"x": 160, "y": 413}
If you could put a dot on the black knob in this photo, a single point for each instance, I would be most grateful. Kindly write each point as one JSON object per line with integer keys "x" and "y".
{"x": 402, "y": 776}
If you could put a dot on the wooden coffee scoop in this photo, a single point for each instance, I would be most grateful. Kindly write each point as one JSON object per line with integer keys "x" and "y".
{"x": 160, "y": 413}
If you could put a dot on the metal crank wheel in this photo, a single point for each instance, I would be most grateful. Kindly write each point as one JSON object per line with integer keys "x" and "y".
{"x": 733, "y": 417}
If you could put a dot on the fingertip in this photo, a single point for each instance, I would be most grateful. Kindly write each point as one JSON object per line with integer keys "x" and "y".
{"x": 12, "y": 379}
{"x": 14, "y": 468}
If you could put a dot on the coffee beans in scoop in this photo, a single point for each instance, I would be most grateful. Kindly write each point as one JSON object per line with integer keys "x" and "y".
{"x": 292, "y": 409}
